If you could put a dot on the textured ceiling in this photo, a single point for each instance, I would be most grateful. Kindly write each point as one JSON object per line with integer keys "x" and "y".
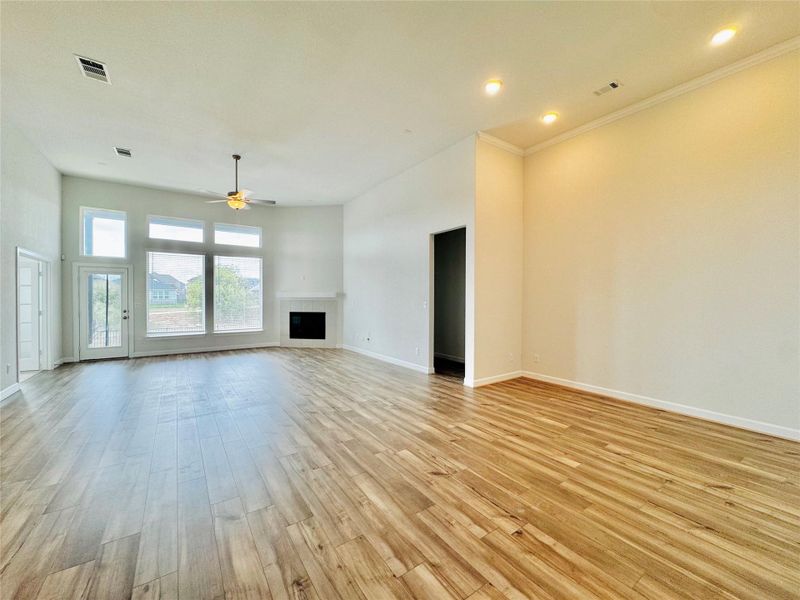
{"x": 325, "y": 100}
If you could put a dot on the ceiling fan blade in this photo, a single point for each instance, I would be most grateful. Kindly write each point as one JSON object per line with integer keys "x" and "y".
{"x": 261, "y": 202}
{"x": 214, "y": 201}
{"x": 243, "y": 193}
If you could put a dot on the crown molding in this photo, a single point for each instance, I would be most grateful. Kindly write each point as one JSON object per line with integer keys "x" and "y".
{"x": 502, "y": 144}
{"x": 693, "y": 84}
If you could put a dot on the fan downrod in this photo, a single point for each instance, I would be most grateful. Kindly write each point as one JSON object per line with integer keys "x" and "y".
{"x": 236, "y": 158}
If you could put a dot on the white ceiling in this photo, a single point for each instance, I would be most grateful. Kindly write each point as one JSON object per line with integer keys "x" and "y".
{"x": 325, "y": 100}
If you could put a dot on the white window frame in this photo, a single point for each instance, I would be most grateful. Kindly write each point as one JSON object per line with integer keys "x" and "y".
{"x": 213, "y": 288}
{"x": 147, "y": 331}
{"x": 82, "y": 232}
{"x": 260, "y": 235}
{"x": 195, "y": 222}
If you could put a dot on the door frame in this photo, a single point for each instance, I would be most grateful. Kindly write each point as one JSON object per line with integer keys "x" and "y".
{"x": 45, "y": 358}
{"x": 76, "y": 302}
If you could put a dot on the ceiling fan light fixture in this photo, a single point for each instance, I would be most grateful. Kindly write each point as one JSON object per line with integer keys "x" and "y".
{"x": 238, "y": 199}
{"x": 236, "y": 203}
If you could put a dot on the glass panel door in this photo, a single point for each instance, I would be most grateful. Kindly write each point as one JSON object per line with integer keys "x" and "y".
{"x": 29, "y": 311}
{"x": 104, "y": 313}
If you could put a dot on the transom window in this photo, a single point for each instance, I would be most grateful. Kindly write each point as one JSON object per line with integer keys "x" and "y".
{"x": 103, "y": 232}
{"x": 237, "y": 235}
{"x": 173, "y": 228}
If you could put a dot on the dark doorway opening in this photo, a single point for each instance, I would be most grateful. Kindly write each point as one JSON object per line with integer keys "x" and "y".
{"x": 449, "y": 284}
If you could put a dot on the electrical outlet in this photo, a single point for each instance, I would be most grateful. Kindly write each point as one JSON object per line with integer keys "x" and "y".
{"x": 416, "y": 350}
{"x": 8, "y": 369}
{"x": 535, "y": 358}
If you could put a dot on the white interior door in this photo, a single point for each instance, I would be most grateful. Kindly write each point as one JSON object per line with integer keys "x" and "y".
{"x": 29, "y": 277}
{"x": 104, "y": 316}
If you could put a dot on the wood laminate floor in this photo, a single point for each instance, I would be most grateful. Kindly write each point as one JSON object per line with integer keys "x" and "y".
{"x": 321, "y": 474}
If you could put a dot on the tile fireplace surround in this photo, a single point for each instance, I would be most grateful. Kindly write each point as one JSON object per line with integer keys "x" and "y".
{"x": 329, "y": 303}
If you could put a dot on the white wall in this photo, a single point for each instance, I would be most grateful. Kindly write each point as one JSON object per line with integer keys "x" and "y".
{"x": 662, "y": 254}
{"x": 387, "y": 256}
{"x": 498, "y": 263}
{"x": 450, "y": 271}
{"x": 301, "y": 252}
{"x": 30, "y": 217}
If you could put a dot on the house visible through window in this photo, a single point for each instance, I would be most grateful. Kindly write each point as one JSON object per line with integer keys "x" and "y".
{"x": 103, "y": 232}
{"x": 237, "y": 293}
{"x": 171, "y": 228}
{"x": 175, "y": 293}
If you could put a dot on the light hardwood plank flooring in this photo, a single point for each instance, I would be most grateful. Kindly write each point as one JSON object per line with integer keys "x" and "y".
{"x": 322, "y": 474}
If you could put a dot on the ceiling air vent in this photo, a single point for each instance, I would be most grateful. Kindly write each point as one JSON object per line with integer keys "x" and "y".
{"x": 93, "y": 69}
{"x": 123, "y": 152}
{"x": 609, "y": 87}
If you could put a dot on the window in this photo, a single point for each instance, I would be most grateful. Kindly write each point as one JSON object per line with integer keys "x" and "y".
{"x": 102, "y": 232}
{"x": 104, "y": 313}
{"x": 171, "y": 228}
{"x": 237, "y": 293}
{"x": 237, "y": 235}
{"x": 176, "y": 293}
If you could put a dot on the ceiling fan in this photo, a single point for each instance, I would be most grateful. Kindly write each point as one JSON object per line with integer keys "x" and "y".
{"x": 240, "y": 199}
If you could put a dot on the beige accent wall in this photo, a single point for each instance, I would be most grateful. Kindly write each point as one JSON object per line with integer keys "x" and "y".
{"x": 498, "y": 262}
{"x": 662, "y": 257}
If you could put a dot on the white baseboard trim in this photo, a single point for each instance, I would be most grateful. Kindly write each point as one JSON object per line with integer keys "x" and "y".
{"x": 481, "y": 381}
{"x": 145, "y": 353}
{"x": 389, "y": 359}
{"x": 12, "y": 389}
{"x": 458, "y": 359}
{"x": 683, "y": 409}
{"x": 64, "y": 360}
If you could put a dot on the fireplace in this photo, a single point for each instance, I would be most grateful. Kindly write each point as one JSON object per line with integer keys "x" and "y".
{"x": 307, "y": 325}
{"x": 322, "y": 306}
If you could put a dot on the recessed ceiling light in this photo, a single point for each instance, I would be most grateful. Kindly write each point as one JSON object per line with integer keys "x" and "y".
{"x": 493, "y": 86}
{"x": 550, "y": 117}
{"x": 723, "y": 36}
